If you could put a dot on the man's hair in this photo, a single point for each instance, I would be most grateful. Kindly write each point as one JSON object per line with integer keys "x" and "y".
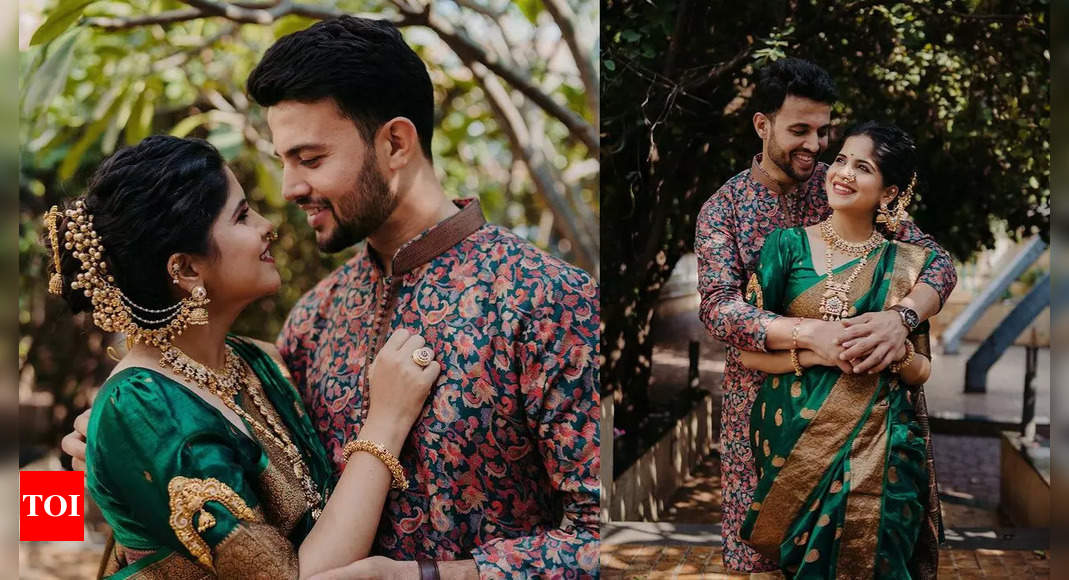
{"x": 363, "y": 65}
{"x": 791, "y": 76}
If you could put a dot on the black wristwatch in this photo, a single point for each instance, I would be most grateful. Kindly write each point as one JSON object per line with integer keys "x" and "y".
{"x": 909, "y": 317}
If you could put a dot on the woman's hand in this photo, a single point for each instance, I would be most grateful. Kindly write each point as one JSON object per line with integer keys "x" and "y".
{"x": 820, "y": 337}
{"x": 399, "y": 386}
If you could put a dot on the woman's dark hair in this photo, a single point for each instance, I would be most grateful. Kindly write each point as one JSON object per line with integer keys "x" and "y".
{"x": 148, "y": 202}
{"x": 893, "y": 150}
{"x": 791, "y": 76}
{"x": 363, "y": 64}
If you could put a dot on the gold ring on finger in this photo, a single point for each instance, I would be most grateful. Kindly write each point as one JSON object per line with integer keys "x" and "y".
{"x": 422, "y": 356}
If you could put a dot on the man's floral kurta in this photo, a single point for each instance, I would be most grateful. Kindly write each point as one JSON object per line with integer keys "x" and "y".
{"x": 508, "y": 442}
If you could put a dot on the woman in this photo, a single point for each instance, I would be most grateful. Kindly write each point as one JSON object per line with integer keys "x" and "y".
{"x": 842, "y": 459}
{"x": 200, "y": 454}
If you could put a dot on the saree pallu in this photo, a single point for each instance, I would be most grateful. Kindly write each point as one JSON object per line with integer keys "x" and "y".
{"x": 844, "y": 479}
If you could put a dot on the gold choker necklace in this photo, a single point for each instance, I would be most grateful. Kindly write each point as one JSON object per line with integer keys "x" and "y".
{"x": 835, "y": 302}
{"x": 226, "y": 386}
{"x": 832, "y": 237}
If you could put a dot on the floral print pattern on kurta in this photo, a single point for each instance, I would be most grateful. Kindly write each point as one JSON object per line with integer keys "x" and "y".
{"x": 509, "y": 440}
{"x": 731, "y": 230}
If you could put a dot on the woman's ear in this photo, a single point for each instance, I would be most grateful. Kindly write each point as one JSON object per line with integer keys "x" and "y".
{"x": 889, "y": 195}
{"x": 184, "y": 272}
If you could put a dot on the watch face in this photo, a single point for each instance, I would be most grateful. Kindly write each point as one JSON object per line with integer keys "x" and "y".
{"x": 910, "y": 318}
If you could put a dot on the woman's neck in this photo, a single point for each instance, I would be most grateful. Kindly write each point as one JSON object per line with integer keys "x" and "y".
{"x": 854, "y": 229}
{"x": 205, "y": 344}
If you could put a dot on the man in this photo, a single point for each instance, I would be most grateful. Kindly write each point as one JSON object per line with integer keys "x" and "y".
{"x": 784, "y": 187}
{"x": 504, "y": 465}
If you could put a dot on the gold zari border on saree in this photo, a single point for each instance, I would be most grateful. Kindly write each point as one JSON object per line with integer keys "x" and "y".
{"x": 868, "y": 454}
{"x": 809, "y": 460}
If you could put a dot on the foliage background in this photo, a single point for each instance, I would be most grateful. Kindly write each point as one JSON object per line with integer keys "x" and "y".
{"x": 517, "y": 111}
{"x": 968, "y": 79}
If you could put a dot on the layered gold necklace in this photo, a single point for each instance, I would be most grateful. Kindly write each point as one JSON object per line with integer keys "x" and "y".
{"x": 226, "y": 386}
{"x": 835, "y": 302}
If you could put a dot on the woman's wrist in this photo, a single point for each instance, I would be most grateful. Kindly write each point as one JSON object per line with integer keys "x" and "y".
{"x": 806, "y": 329}
{"x": 391, "y": 434}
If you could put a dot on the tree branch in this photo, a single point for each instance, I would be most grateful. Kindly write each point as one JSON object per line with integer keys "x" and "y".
{"x": 469, "y": 51}
{"x": 171, "y": 16}
{"x": 512, "y": 123}
{"x": 564, "y": 17}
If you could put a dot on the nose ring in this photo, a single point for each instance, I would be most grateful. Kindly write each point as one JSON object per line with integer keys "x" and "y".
{"x": 272, "y": 235}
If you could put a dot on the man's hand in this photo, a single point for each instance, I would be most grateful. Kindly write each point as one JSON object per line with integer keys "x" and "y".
{"x": 74, "y": 443}
{"x": 373, "y": 568}
{"x": 873, "y": 340}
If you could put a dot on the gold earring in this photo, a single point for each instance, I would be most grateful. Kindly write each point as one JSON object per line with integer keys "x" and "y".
{"x": 883, "y": 214}
{"x": 174, "y": 273}
{"x": 198, "y": 316}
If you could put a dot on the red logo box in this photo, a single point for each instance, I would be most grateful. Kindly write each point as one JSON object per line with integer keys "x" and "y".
{"x": 51, "y": 506}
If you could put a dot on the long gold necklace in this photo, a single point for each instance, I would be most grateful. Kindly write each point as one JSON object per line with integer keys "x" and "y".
{"x": 835, "y": 302}
{"x": 226, "y": 387}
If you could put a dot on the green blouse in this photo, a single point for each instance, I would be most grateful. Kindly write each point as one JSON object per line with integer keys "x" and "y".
{"x": 180, "y": 484}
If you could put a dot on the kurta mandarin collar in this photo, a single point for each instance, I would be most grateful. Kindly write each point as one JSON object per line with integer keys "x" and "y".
{"x": 435, "y": 240}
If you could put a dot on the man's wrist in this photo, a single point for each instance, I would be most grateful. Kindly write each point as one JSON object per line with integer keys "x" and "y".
{"x": 907, "y": 317}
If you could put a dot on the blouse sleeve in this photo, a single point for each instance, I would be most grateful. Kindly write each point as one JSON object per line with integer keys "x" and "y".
{"x": 173, "y": 476}
{"x": 768, "y": 283}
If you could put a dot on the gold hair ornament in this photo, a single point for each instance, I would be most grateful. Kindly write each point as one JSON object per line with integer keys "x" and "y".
{"x": 55, "y": 283}
{"x": 113, "y": 311}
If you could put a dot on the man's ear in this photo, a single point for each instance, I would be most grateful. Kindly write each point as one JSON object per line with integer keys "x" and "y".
{"x": 762, "y": 125}
{"x": 398, "y": 142}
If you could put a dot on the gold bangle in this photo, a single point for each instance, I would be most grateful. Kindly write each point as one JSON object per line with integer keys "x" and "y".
{"x": 794, "y": 349}
{"x": 898, "y": 367}
{"x": 397, "y": 473}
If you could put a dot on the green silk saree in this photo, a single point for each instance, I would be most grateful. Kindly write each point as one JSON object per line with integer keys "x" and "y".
{"x": 186, "y": 493}
{"x": 844, "y": 478}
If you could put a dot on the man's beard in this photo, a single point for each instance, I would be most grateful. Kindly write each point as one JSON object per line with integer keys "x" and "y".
{"x": 782, "y": 159}
{"x": 367, "y": 206}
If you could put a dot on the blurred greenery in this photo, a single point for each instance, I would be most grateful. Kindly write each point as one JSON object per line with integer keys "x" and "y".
{"x": 95, "y": 77}
{"x": 969, "y": 79}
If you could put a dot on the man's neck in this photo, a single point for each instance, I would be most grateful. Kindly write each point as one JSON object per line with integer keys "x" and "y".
{"x": 771, "y": 176}
{"x": 413, "y": 215}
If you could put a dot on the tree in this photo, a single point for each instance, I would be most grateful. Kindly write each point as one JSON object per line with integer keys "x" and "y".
{"x": 516, "y": 127}
{"x": 969, "y": 80}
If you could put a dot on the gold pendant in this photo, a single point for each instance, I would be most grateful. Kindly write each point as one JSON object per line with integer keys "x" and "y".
{"x": 833, "y": 304}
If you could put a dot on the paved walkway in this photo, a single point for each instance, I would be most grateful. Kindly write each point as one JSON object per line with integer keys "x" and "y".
{"x": 653, "y": 561}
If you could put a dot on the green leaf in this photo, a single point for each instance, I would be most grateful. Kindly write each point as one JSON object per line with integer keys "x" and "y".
{"x": 292, "y": 23}
{"x": 140, "y": 125}
{"x": 630, "y": 35}
{"x": 529, "y": 8}
{"x": 609, "y": 65}
{"x": 191, "y": 122}
{"x": 92, "y": 133}
{"x": 49, "y": 80}
{"x": 62, "y": 17}
{"x": 121, "y": 117}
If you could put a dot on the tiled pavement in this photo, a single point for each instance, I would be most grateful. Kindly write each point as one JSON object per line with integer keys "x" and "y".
{"x": 638, "y": 561}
